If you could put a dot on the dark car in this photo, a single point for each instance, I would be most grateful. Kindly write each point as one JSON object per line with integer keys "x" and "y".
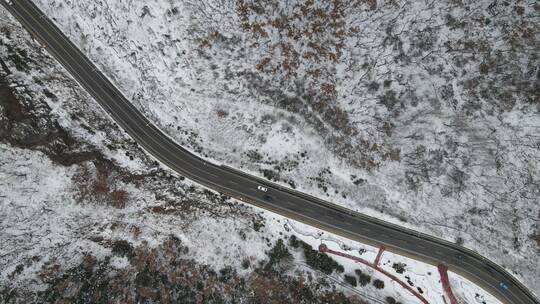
{"x": 268, "y": 198}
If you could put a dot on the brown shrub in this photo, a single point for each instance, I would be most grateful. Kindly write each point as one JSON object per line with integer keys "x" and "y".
{"x": 536, "y": 238}
{"x": 97, "y": 187}
{"x": 88, "y": 262}
{"x": 328, "y": 89}
{"x": 119, "y": 198}
{"x": 222, "y": 113}
{"x": 147, "y": 293}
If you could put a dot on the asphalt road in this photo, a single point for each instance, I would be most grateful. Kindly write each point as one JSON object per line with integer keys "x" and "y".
{"x": 241, "y": 186}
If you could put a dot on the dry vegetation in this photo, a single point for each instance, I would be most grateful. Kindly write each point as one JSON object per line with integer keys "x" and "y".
{"x": 164, "y": 274}
{"x": 167, "y": 274}
{"x": 297, "y": 48}
{"x": 359, "y": 78}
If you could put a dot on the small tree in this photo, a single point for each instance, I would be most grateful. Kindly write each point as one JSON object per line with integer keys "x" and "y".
{"x": 320, "y": 261}
{"x": 391, "y": 300}
{"x": 363, "y": 278}
{"x": 351, "y": 280}
{"x": 378, "y": 284}
{"x": 122, "y": 248}
{"x": 293, "y": 241}
{"x": 399, "y": 267}
{"x": 277, "y": 255}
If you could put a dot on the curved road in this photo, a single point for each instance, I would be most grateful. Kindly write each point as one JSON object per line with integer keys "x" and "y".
{"x": 241, "y": 186}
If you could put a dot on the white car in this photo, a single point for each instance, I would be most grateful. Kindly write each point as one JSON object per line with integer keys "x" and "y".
{"x": 262, "y": 188}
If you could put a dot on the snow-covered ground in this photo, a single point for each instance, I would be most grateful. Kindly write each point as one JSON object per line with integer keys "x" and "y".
{"x": 64, "y": 167}
{"x": 424, "y": 113}
{"x": 420, "y": 276}
{"x": 397, "y": 112}
{"x": 50, "y": 218}
{"x": 43, "y": 223}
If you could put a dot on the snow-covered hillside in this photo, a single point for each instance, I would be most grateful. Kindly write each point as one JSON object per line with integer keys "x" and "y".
{"x": 421, "y": 112}
{"x": 86, "y": 216}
